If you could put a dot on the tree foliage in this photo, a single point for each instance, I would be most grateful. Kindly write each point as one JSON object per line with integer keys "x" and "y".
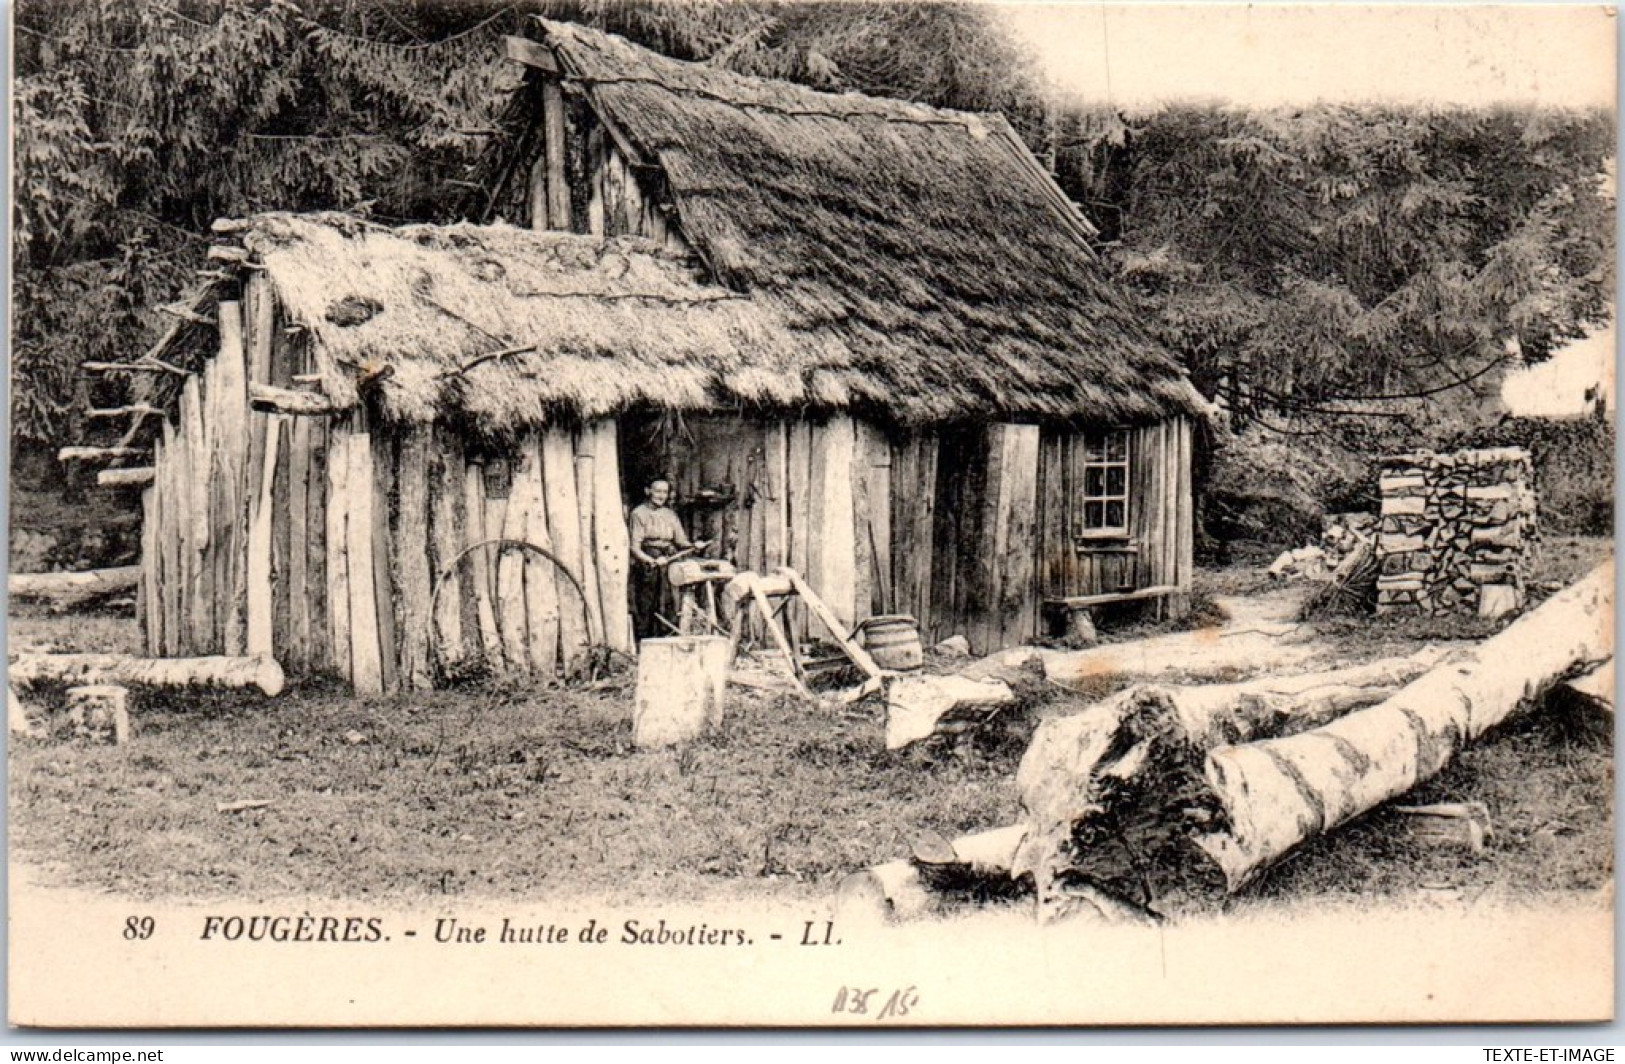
{"x": 1342, "y": 257}
{"x": 1292, "y": 258}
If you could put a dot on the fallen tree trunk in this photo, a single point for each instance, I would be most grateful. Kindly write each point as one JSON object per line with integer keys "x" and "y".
{"x": 918, "y": 707}
{"x": 66, "y": 591}
{"x": 1595, "y": 689}
{"x": 211, "y": 673}
{"x": 1280, "y": 793}
{"x": 1126, "y": 761}
{"x": 1203, "y": 654}
{"x": 1160, "y": 826}
{"x": 898, "y": 890}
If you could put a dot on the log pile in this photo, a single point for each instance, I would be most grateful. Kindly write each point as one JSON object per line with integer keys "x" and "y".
{"x": 1456, "y": 531}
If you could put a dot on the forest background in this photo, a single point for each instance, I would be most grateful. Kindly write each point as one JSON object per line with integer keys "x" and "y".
{"x": 1341, "y": 279}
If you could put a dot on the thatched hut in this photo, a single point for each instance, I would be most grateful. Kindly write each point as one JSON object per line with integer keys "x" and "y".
{"x": 869, "y": 339}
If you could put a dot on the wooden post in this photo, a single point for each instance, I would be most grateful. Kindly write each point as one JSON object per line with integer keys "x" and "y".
{"x": 366, "y": 663}
{"x": 587, "y": 559}
{"x": 799, "y": 526}
{"x": 150, "y": 610}
{"x": 1016, "y": 598}
{"x": 613, "y": 543}
{"x": 480, "y": 566}
{"x": 834, "y": 542}
{"x": 413, "y": 579}
{"x": 259, "y": 552}
{"x": 316, "y": 609}
{"x": 558, "y": 182}
{"x": 564, "y": 532}
{"x": 526, "y": 608}
{"x": 446, "y": 539}
{"x": 231, "y": 428}
{"x": 383, "y": 580}
{"x": 338, "y": 549}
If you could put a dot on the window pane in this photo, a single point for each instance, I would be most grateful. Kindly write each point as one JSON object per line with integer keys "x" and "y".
{"x": 1094, "y": 482}
{"x": 1116, "y": 480}
{"x": 1114, "y": 515}
{"x": 1094, "y": 448}
{"x": 1094, "y": 515}
{"x": 1117, "y": 446}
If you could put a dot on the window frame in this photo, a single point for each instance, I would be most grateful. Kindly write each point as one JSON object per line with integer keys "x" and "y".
{"x": 1097, "y": 454}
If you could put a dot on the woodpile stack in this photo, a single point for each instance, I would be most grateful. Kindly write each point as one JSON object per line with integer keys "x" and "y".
{"x": 1456, "y": 532}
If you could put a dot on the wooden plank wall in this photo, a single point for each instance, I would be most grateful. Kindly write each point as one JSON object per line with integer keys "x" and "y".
{"x": 815, "y": 495}
{"x": 1158, "y": 549}
{"x": 983, "y": 568}
{"x": 321, "y": 541}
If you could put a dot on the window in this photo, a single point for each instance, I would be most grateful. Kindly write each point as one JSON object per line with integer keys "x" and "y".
{"x": 1105, "y": 485}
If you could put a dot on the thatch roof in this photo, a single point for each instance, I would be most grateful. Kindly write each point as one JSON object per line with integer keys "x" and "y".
{"x": 613, "y": 324}
{"x": 910, "y": 264}
{"x": 929, "y": 244}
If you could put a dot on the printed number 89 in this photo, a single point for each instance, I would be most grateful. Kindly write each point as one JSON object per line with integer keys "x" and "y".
{"x": 139, "y": 927}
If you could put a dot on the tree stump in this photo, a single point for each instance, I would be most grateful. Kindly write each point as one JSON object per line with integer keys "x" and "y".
{"x": 681, "y": 682}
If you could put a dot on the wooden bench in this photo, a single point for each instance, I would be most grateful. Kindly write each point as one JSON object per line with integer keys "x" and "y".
{"x": 1080, "y": 621}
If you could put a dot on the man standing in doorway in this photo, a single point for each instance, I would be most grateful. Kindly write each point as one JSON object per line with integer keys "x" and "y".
{"x": 657, "y": 534}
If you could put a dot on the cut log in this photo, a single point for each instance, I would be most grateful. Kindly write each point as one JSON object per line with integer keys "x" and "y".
{"x": 1252, "y": 804}
{"x": 682, "y": 683}
{"x": 137, "y": 477}
{"x": 101, "y": 454}
{"x": 67, "y": 591}
{"x": 1279, "y": 793}
{"x": 1128, "y": 758}
{"x": 288, "y": 401}
{"x": 978, "y": 864}
{"x": 918, "y": 707}
{"x": 212, "y": 673}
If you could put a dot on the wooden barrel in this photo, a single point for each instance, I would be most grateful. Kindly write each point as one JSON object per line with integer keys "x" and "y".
{"x": 894, "y": 642}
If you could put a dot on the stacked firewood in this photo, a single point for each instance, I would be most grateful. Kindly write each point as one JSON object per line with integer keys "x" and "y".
{"x": 1456, "y": 532}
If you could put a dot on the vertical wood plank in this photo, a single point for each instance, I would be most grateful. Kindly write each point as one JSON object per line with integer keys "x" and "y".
{"x": 260, "y": 635}
{"x": 587, "y": 535}
{"x": 521, "y": 633}
{"x": 300, "y": 536}
{"x": 148, "y": 600}
{"x": 863, "y": 562}
{"x": 232, "y": 433}
{"x": 880, "y": 510}
{"x": 1018, "y": 579}
{"x": 595, "y": 180}
{"x": 612, "y": 537}
{"x": 340, "y": 440}
{"x": 199, "y": 603}
{"x": 384, "y": 598}
{"x": 564, "y": 533}
{"x": 480, "y": 566}
{"x": 446, "y": 539}
{"x": 412, "y": 554}
{"x": 1185, "y": 518}
{"x": 775, "y": 529}
{"x": 800, "y": 523}
{"x": 834, "y": 543}
{"x": 558, "y": 179}
{"x": 168, "y": 552}
{"x": 361, "y": 495}
{"x": 281, "y": 547}
{"x": 318, "y": 591}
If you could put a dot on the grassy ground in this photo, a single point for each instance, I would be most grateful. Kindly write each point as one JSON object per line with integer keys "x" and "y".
{"x": 492, "y": 792}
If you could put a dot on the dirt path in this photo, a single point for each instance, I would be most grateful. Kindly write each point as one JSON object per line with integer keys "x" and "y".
{"x": 1262, "y": 635}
